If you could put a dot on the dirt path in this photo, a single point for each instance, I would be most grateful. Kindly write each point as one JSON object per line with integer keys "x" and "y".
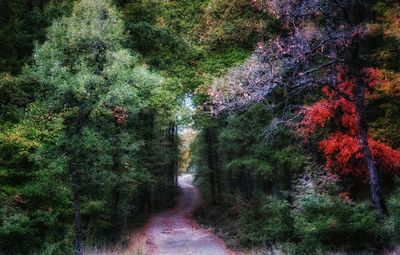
{"x": 175, "y": 232}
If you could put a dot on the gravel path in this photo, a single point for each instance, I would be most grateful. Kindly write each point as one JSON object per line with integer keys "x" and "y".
{"x": 175, "y": 232}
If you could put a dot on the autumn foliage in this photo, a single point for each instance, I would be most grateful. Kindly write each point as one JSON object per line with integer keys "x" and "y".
{"x": 341, "y": 148}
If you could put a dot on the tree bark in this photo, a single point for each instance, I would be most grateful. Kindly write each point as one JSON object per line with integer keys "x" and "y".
{"x": 76, "y": 189}
{"x": 374, "y": 182}
{"x": 210, "y": 161}
{"x": 172, "y": 136}
{"x": 115, "y": 193}
{"x": 176, "y": 158}
{"x": 76, "y": 180}
{"x": 218, "y": 177}
{"x": 357, "y": 66}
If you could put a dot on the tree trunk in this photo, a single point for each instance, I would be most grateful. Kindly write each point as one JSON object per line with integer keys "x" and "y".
{"x": 374, "y": 182}
{"x": 151, "y": 194}
{"x": 172, "y": 134}
{"x": 76, "y": 189}
{"x": 176, "y": 159}
{"x": 357, "y": 64}
{"x": 76, "y": 180}
{"x": 218, "y": 177}
{"x": 115, "y": 193}
{"x": 210, "y": 161}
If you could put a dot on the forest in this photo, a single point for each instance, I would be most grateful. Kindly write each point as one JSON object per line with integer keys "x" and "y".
{"x": 206, "y": 127}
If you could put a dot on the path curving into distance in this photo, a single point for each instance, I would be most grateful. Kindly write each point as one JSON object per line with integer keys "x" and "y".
{"x": 175, "y": 232}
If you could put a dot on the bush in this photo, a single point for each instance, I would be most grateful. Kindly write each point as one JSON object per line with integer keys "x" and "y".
{"x": 13, "y": 229}
{"x": 269, "y": 223}
{"x": 389, "y": 228}
{"x": 326, "y": 223}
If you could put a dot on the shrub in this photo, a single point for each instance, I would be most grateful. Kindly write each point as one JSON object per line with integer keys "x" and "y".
{"x": 325, "y": 223}
{"x": 389, "y": 228}
{"x": 14, "y": 228}
{"x": 269, "y": 223}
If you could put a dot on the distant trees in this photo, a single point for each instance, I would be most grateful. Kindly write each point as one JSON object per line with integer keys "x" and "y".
{"x": 232, "y": 158}
{"x": 320, "y": 38}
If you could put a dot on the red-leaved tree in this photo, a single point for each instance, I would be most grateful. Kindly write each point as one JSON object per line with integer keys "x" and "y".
{"x": 342, "y": 148}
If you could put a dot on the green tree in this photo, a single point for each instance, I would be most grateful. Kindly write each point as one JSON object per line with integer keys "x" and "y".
{"x": 85, "y": 73}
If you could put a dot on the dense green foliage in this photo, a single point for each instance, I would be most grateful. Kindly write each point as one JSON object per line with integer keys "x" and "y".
{"x": 23, "y": 23}
{"x": 85, "y": 108}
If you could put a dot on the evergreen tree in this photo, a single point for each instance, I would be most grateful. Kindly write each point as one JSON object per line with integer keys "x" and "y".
{"x": 84, "y": 72}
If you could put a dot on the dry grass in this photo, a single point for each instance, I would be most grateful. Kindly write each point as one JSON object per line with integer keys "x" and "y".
{"x": 136, "y": 246}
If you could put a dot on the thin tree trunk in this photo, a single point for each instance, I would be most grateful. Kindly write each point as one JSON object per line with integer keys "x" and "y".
{"x": 210, "y": 159}
{"x": 357, "y": 66}
{"x": 375, "y": 185}
{"x": 374, "y": 182}
{"x": 172, "y": 163}
{"x": 76, "y": 182}
{"x": 217, "y": 174}
{"x": 115, "y": 194}
{"x": 150, "y": 193}
{"x": 76, "y": 188}
{"x": 175, "y": 159}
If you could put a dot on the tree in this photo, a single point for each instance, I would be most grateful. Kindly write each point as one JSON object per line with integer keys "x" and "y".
{"x": 229, "y": 23}
{"x": 85, "y": 74}
{"x": 23, "y": 23}
{"x": 342, "y": 148}
{"x": 319, "y": 38}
